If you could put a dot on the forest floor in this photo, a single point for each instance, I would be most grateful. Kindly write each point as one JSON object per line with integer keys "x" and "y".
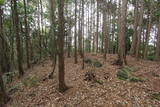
{"x": 110, "y": 92}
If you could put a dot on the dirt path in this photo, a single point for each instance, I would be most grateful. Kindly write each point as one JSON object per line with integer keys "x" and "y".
{"x": 112, "y": 93}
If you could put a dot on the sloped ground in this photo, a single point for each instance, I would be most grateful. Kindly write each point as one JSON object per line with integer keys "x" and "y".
{"x": 112, "y": 93}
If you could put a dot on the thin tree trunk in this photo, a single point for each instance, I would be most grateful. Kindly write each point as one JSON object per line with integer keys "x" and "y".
{"x": 39, "y": 32}
{"x": 75, "y": 34}
{"x": 139, "y": 28}
{"x": 97, "y": 32}
{"x": 148, "y": 34}
{"x": 80, "y": 33}
{"x": 52, "y": 36}
{"x": 135, "y": 37}
{"x": 113, "y": 34}
{"x": 83, "y": 33}
{"x": 105, "y": 29}
{"x": 158, "y": 42}
{"x": 26, "y": 34}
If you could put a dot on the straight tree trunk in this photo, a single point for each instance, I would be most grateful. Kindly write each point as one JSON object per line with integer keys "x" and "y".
{"x": 97, "y": 32}
{"x": 39, "y": 31}
{"x": 118, "y": 23}
{"x": 52, "y": 36}
{"x": 82, "y": 27}
{"x": 139, "y": 27}
{"x": 148, "y": 34}
{"x": 75, "y": 35}
{"x": 26, "y": 34}
{"x": 104, "y": 30}
{"x": 80, "y": 32}
{"x": 113, "y": 34}
{"x": 158, "y": 42}
{"x": 122, "y": 35}
{"x": 18, "y": 42}
{"x": 135, "y": 37}
{"x": 61, "y": 66}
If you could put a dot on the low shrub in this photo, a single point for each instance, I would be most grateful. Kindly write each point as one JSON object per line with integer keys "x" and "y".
{"x": 122, "y": 75}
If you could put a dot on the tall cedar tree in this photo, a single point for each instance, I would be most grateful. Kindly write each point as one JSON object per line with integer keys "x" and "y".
{"x": 26, "y": 33}
{"x": 18, "y": 41}
{"x": 61, "y": 33}
{"x": 75, "y": 34}
{"x": 158, "y": 42}
{"x": 122, "y": 34}
{"x": 3, "y": 96}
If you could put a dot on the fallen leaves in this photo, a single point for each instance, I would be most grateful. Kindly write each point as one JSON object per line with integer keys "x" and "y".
{"x": 113, "y": 92}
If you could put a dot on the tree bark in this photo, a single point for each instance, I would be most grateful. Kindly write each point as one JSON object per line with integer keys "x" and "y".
{"x": 97, "y": 32}
{"x": 105, "y": 30}
{"x": 26, "y": 34}
{"x": 61, "y": 66}
{"x": 148, "y": 34}
{"x": 158, "y": 42}
{"x": 3, "y": 96}
{"x": 39, "y": 30}
{"x": 80, "y": 30}
{"x": 82, "y": 27}
{"x": 139, "y": 28}
{"x": 122, "y": 35}
{"x": 18, "y": 42}
{"x": 75, "y": 35}
{"x": 135, "y": 37}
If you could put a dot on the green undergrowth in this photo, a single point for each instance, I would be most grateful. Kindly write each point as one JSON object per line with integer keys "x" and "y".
{"x": 125, "y": 73}
{"x": 30, "y": 81}
{"x": 93, "y": 62}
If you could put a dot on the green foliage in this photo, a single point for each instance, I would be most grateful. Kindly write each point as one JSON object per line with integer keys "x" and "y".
{"x": 136, "y": 79}
{"x": 2, "y": 2}
{"x": 93, "y": 62}
{"x": 30, "y": 81}
{"x": 156, "y": 96}
{"x": 123, "y": 75}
